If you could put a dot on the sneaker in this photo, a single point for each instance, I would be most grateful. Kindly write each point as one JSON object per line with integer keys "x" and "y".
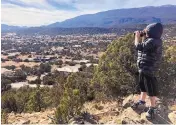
{"x": 138, "y": 105}
{"x": 150, "y": 113}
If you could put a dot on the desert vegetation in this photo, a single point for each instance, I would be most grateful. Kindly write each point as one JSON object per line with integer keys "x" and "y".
{"x": 114, "y": 77}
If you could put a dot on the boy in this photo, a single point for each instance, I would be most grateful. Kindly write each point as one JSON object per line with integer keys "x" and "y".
{"x": 149, "y": 56}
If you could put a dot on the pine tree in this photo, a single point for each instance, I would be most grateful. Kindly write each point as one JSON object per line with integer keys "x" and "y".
{"x": 35, "y": 101}
{"x": 115, "y": 73}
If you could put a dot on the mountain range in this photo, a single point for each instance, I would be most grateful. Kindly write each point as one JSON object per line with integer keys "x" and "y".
{"x": 108, "y": 19}
{"x": 121, "y": 17}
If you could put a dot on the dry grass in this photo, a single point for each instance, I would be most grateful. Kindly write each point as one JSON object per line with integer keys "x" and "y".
{"x": 173, "y": 107}
{"x": 18, "y": 64}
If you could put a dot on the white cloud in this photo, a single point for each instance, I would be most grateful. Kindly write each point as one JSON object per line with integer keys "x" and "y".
{"x": 116, "y": 4}
{"x": 31, "y": 16}
{"x": 15, "y": 15}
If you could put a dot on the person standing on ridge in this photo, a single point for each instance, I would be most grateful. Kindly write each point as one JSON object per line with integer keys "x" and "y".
{"x": 149, "y": 57}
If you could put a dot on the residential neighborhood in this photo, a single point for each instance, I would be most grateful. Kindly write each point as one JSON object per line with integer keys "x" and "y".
{"x": 60, "y": 53}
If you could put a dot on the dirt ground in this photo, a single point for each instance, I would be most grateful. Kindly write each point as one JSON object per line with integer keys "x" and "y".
{"x": 18, "y": 64}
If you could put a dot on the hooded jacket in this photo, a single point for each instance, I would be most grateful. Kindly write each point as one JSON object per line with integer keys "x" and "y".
{"x": 150, "y": 50}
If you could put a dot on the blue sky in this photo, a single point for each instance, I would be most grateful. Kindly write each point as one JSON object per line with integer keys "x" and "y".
{"x": 43, "y": 12}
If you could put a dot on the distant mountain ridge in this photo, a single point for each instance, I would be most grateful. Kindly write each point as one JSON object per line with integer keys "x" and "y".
{"x": 7, "y": 28}
{"x": 119, "y": 18}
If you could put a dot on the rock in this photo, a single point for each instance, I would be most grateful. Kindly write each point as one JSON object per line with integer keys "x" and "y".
{"x": 71, "y": 121}
{"x": 99, "y": 107}
{"x": 34, "y": 121}
{"x": 127, "y": 120}
{"x": 124, "y": 122}
{"x": 24, "y": 122}
{"x": 84, "y": 118}
{"x": 130, "y": 113}
{"x": 159, "y": 119}
{"x": 143, "y": 119}
{"x": 111, "y": 122}
{"x": 118, "y": 121}
{"x": 129, "y": 116}
{"x": 127, "y": 101}
{"x": 77, "y": 120}
{"x": 172, "y": 117}
{"x": 43, "y": 121}
{"x": 32, "y": 118}
{"x": 162, "y": 108}
{"x": 173, "y": 107}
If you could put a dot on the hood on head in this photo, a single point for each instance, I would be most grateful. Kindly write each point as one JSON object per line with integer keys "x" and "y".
{"x": 154, "y": 30}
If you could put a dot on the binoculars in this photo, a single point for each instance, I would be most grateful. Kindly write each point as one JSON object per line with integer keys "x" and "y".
{"x": 142, "y": 33}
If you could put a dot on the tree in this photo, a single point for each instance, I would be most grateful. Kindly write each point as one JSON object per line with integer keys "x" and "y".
{"x": 20, "y": 74}
{"x": 45, "y": 67}
{"x": 49, "y": 80}
{"x": 170, "y": 53}
{"x": 115, "y": 73}
{"x": 70, "y": 63}
{"x": 167, "y": 72}
{"x": 29, "y": 56}
{"x": 60, "y": 62}
{"x": 12, "y": 67}
{"x": 26, "y": 69}
{"x": 4, "y": 117}
{"x": 75, "y": 94}
{"x": 35, "y": 101}
{"x": 56, "y": 93}
{"x": 26, "y": 60}
{"x": 5, "y": 84}
{"x": 11, "y": 57}
{"x": 8, "y": 102}
{"x": 22, "y": 97}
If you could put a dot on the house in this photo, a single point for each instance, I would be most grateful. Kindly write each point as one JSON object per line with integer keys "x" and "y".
{"x": 69, "y": 69}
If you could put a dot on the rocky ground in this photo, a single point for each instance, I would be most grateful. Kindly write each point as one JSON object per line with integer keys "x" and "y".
{"x": 31, "y": 118}
{"x": 117, "y": 112}
{"x": 113, "y": 111}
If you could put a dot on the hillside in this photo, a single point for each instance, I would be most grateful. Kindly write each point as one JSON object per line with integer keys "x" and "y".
{"x": 69, "y": 31}
{"x": 168, "y": 29}
{"x": 114, "y": 111}
{"x": 8, "y": 28}
{"x": 100, "y": 94}
{"x": 120, "y": 17}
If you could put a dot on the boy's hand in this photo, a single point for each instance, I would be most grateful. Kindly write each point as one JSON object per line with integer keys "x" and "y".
{"x": 137, "y": 37}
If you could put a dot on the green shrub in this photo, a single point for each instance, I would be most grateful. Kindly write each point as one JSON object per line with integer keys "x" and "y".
{"x": 26, "y": 60}
{"x": 12, "y": 67}
{"x": 4, "y": 117}
{"x": 115, "y": 72}
{"x": 8, "y": 102}
{"x": 45, "y": 67}
{"x": 70, "y": 63}
{"x": 56, "y": 94}
{"x": 35, "y": 102}
{"x": 27, "y": 99}
{"x": 49, "y": 80}
{"x": 167, "y": 72}
{"x": 82, "y": 63}
{"x": 75, "y": 94}
{"x": 5, "y": 83}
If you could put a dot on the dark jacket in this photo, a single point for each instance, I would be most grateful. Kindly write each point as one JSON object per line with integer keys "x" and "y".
{"x": 150, "y": 50}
